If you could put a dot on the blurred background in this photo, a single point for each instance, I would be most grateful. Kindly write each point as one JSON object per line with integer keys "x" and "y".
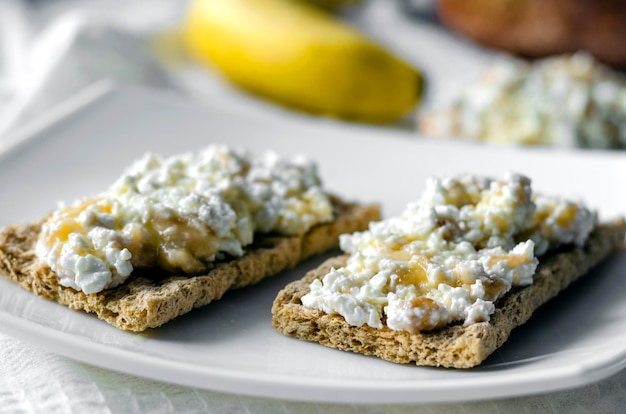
{"x": 503, "y": 72}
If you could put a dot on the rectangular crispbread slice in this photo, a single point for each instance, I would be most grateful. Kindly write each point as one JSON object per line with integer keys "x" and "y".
{"x": 456, "y": 346}
{"x": 150, "y": 299}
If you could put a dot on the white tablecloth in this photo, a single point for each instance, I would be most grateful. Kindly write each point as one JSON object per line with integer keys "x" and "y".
{"x": 33, "y": 380}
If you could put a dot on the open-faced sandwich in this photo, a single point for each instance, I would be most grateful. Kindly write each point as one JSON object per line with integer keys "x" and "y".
{"x": 175, "y": 233}
{"x": 444, "y": 283}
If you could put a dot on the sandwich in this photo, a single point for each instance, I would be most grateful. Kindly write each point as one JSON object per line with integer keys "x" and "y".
{"x": 444, "y": 283}
{"x": 175, "y": 233}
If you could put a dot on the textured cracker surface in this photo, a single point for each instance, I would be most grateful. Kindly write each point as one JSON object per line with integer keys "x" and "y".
{"x": 150, "y": 300}
{"x": 456, "y": 346}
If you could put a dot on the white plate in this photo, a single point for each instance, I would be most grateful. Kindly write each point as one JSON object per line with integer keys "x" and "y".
{"x": 229, "y": 345}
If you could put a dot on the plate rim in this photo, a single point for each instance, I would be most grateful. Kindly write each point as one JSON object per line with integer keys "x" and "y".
{"x": 307, "y": 389}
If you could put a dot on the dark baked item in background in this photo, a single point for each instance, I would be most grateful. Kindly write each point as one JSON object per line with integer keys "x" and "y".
{"x": 537, "y": 28}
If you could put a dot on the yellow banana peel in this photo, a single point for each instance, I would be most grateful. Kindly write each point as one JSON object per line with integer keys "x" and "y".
{"x": 300, "y": 56}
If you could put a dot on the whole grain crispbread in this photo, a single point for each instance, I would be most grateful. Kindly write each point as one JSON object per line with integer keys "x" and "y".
{"x": 456, "y": 346}
{"x": 150, "y": 299}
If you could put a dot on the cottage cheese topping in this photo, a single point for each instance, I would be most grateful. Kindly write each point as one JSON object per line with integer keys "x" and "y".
{"x": 449, "y": 256}
{"x": 559, "y": 101}
{"x": 181, "y": 213}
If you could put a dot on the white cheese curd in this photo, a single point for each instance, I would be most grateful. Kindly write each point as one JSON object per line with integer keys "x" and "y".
{"x": 449, "y": 256}
{"x": 180, "y": 213}
{"x": 557, "y": 101}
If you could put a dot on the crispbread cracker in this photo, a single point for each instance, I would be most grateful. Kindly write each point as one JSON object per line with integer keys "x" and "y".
{"x": 151, "y": 299}
{"x": 456, "y": 346}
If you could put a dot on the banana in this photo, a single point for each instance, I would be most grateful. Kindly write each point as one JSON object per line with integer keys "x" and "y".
{"x": 299, "y": 56}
